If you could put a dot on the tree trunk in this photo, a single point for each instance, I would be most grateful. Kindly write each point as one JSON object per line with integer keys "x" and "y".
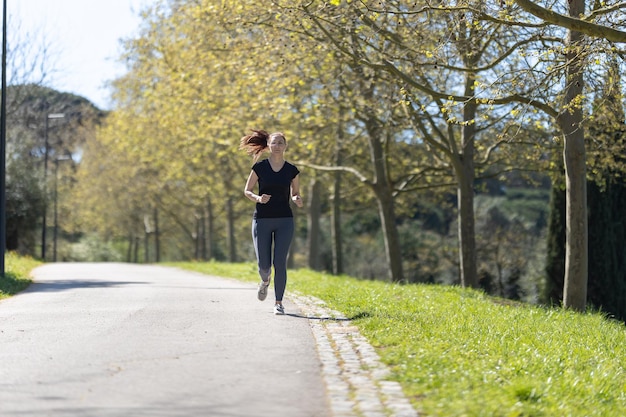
{"x": 136, "y": 249}
{"x": 210, "y": 230}
{"x": 386, "y": 211}
{"x": 381, "y": 185}
{"x": 232, "y": 249}
{"x": 465, "y": 192}
{"x": 335, "y": 226}
{"x": 313, "y": 237}
{"x": 467, "y": 240}
{"x": 576, "y": 256}
{"x": 157, "y": 237}
{"x": 202, "y": 237}
{"x": 198, "y": 238}
{"x": 335, "y": 215}
{"x": 146, "y": 247}
{"x": 129, "y": 251}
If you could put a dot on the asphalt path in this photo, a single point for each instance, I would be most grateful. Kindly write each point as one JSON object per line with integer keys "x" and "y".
{"x": 107, "y": 339}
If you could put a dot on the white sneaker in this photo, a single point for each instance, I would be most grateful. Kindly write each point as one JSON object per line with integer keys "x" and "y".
{"x": 279, "y": 309}
{"x": 262, "y": 292}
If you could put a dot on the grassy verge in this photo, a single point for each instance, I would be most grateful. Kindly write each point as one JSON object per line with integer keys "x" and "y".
{"x": 458, "y": 352}
{"x": 17, "y": 274}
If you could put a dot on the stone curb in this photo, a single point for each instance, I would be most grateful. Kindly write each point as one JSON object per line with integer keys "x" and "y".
{"x": 355, "y": 378}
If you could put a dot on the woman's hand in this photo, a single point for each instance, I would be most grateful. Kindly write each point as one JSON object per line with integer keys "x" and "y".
{"x": 263, "y": 198}
{"x": 297, "y": 200}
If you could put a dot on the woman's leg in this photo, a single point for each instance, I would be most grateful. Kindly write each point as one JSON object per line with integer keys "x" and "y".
{"x": 283, "y": 234}
{"x": 262, "y": 238}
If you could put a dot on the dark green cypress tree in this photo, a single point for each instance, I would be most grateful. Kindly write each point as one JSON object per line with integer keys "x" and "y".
{"x": 555, "y": 263}
{"x": 606, "y": 200}
{"x": 607, "y": 247}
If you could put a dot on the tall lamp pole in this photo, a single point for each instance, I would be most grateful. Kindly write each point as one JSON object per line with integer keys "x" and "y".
{"x": 45, "y": 182}
{"x": 3, "y": 137}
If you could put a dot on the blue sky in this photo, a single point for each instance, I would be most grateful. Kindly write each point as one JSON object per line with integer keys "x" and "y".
{"x": 84, "y": 39}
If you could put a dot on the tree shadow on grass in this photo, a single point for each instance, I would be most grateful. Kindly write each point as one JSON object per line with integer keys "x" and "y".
{"x": 11, "y": 284}
{"x": 357, "y": 316}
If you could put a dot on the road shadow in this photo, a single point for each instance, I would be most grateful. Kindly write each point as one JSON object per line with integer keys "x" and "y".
{"x": 70, "y": 284}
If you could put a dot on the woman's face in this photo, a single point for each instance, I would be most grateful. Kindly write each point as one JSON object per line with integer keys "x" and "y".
{"x": 277, "y": 144}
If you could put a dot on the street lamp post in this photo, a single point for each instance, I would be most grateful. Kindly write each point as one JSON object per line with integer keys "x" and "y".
{"x": 56, "y": 212}
{"x": 45, "y": 187}
{"x": 3, "y": 129}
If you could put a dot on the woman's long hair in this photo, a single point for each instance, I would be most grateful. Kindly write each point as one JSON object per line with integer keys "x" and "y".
{"x": 255, "y": 143}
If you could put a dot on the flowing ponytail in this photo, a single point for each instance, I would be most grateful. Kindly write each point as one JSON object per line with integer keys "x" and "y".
{"x": 255, "y": 143}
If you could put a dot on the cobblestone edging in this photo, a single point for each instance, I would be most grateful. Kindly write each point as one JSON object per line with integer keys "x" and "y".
{"x": 354, "y": 376}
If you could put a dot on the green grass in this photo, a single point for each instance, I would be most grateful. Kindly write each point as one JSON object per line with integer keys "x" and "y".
{"x": 17, "y": 274}
{"x": 458, "y": 352}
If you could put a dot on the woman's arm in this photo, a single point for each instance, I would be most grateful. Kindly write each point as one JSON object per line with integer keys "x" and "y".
{"x": 295, "y": 191}
{"x": 248, "y": 192}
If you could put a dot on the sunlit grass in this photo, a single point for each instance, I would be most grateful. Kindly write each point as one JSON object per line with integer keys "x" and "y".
{"x": 458, "y": 352}
{"x": 17, "y": 274}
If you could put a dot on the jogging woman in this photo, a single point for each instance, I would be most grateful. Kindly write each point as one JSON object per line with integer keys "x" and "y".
{"x": 272, "y": 223}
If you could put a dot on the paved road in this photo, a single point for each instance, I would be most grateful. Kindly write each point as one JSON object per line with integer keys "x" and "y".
{"x": 134, "y": 340}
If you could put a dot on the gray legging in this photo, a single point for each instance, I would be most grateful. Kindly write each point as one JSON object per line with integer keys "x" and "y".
{"x": 281, "y": 231}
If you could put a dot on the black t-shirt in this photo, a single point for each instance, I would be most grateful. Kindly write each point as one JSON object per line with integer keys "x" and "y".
{"x": 277, "y": 185}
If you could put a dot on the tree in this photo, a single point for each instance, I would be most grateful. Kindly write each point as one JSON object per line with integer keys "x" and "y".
{"x": 29, "y": 185}
{"x": 191, "y": 91}
{"x": 605, "y": 204}
{"x": 397, "y": 96}
{"x": 438, "y": 55}
{"x": 570, "y": 120}
{"x": 571, "y": 123}
{"x": 28, "y": 64}
{"x": 607, "y": 196}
